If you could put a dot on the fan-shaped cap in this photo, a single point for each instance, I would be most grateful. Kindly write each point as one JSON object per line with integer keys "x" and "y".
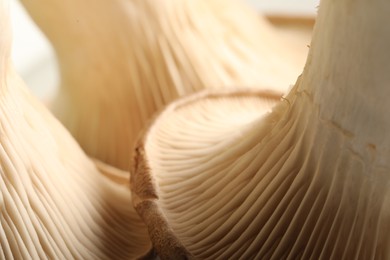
{"x": 186, "y": 182}
{"x": 54, "y": 202}
{"x": 121, "y": 61}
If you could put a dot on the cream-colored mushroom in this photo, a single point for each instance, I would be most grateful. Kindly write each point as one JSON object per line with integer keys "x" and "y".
{"x": 121, "y": 61}
{"x": 54, "y": 203}
{"x": 219, "y": 177}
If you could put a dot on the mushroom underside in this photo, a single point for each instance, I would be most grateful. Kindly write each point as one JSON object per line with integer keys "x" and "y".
{"x": 230, "y": 179}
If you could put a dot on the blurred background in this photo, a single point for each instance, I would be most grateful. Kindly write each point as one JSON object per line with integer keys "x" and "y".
{"x": 34, "y": 58}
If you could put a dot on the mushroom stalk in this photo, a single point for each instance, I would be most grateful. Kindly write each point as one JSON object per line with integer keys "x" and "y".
{"x": 121, "y": 61}
{"x": 347, "y": 76}
{"x": 310, "y": 180}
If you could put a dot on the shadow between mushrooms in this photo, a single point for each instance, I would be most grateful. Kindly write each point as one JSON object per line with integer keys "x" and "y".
{"x": 54, "y": 203}
{"x": 221, "y": 177}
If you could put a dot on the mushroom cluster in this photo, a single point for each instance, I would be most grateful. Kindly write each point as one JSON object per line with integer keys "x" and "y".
{"x": 224, "y": 173}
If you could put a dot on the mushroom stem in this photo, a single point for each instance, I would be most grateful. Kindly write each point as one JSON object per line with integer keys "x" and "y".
{"x": 347, "y": 75}
{"x": 338, "y": 115}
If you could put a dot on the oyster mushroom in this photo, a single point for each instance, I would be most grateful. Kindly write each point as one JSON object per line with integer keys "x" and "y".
{"x": 54, "y": 203}
{"x": 309, "y": 180}
{"x": 121, "y": 61}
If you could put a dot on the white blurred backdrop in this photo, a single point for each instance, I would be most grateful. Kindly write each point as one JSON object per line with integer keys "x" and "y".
{"x": 34, "y": 58}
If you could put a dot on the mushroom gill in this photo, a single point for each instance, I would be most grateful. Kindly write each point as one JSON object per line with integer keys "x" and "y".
{"x": 121, "y": 61}
{"x": 190, "y": 153}
{"x": 54, "y": 203}
{"x": 219, "y": 177}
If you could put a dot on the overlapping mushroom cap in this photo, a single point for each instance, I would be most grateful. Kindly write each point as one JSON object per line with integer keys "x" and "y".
{"x": 54, "y": 202}
{"x": 121, "y": 61}
{"x": 191, "y": 184}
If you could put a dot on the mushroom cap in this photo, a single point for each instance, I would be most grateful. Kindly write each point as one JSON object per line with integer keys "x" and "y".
{"x": 114, "y": 80}
{"x": 54, "y": 201}
{"x": 179, "y": 185}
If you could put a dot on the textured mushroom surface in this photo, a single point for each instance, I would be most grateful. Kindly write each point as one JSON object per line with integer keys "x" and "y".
{"x": 310, "y": 180}
{"x": 194, "y": 160}
{"x": 121, "y": 61}
{"x": 54, "y": 203}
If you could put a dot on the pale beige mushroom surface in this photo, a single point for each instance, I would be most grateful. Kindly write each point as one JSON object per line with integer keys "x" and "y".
{"x": 188, "y": 174}
{"x": 245, "y": 176}
{"x": 122, "y": 60}
{"x": 54, "y": 202}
